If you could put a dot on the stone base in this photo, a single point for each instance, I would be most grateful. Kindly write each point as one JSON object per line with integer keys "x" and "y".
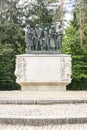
{"x": 43, "y": 87}
{"x": 43, "y": 72}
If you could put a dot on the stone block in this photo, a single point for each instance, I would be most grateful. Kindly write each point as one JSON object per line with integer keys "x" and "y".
{"x": 43, "y": 72}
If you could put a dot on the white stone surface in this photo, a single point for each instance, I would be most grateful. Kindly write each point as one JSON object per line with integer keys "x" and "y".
{"x": 49, "y": 127}
{"x": 44, "y": 111}
{"x": 44, "y": 95}
{"x": 43, "y": 71}
{"x": 61, "y": 110}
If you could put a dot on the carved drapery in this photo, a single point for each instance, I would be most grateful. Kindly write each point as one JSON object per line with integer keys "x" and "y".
{"x": 65, "y": 69}
{"x": 20, "y": 69}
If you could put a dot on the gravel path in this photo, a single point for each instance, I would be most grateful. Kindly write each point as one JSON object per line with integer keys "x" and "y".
{"x": 57, "y": 110}
{"x": 50, "y": 127}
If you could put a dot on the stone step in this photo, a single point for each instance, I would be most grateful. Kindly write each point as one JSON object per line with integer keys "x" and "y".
{"x": 37, "y": 121}
{"x": 43, "y": 95}
{"x": 34, "y": 97}
{"x": 44, "y": 127}
{"x": 43, "y": 114}
{"x": 43, "y": 101}
{"x": 43, "y": 108}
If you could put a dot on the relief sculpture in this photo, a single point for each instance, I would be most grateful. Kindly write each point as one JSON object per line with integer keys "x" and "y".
{"x": 20, "y": 69}
{"x": 65, "y": 69}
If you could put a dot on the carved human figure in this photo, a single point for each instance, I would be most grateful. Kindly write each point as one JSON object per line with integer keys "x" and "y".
{"x": 23, "y": 68}
{"x": 52, "y": 37}
{"x": 68, "y": 70}
{"x": 31, "y": 38}
{"x": 20, "y": 69}
{"x": 34, "y": 39}
{"x": 46, "y": 33}
{"x": 62, "y": 68}
{"x": 59, "y": 35}
{"x": 28, "y": 37}
{"x": 42, "y": 40}
{"x": 38, "y": 32}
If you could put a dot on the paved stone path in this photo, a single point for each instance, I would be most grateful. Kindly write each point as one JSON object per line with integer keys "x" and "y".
{"x": 49, "y": 127}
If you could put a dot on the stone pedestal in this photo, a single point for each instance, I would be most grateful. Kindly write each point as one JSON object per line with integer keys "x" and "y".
{"x": 44, "y": 72}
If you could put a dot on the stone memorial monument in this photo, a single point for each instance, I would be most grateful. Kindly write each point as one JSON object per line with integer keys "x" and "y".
{"x": 43, "y": 67}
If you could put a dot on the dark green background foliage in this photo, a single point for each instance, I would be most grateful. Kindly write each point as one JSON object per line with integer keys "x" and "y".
{"x": 7, "y": 66}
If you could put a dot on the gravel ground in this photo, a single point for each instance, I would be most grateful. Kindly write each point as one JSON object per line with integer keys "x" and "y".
{"x": 50, "y": 127}
{"x": 57, "y": 110}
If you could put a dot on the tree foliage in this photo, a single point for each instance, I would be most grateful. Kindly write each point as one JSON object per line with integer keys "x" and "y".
{"x": 72, "y": 45}
{"x": 11, "y": 31}
{"x": 11, "y": 42}
{"x": 7, "y": 66}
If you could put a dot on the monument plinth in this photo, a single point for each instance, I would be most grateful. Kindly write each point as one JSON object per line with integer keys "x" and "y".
{"x": 44, "y": 72}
